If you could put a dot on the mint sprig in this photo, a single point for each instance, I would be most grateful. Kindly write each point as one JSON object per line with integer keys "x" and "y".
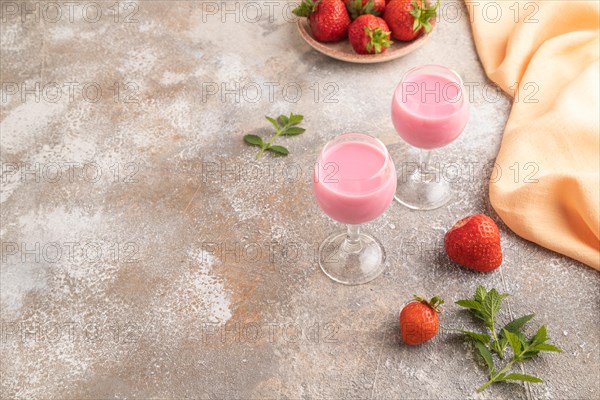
{"x": 486, "y": 306}
{"x": 284, "y": 126}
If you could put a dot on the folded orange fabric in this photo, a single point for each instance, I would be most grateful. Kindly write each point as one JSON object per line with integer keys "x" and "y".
{"x": 546, "y": 55}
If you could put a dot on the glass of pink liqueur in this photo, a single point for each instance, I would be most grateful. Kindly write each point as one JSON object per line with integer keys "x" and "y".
{"x": 429, "y": 110}
{"x": 354, "y": 182}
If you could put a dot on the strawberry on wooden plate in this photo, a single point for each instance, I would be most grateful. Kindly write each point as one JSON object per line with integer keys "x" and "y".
{"x": 369, "y": 34}
{"x": 328, "y": 19}
{"x": 356, "y": 8}
{"x": 409, "y": 19}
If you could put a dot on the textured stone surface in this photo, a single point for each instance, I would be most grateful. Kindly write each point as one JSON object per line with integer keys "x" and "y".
{"x": 165, "y": 268}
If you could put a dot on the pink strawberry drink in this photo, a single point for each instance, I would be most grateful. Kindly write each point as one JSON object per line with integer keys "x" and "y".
{"x": 354, "y": 181}
{"x": 430, "y": 110}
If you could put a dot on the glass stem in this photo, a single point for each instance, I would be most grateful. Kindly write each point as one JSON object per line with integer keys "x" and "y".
{"x": 427, "y": 174}
{"x": 352, "y": 243}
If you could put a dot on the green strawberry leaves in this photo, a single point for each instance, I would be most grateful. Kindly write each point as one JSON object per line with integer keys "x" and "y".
{"x": 434, "y": 303}
{"x": 486, "y": 305}
{"x": 378, "y": 40}
{"x": 305, "y": 8}
{"x": 356, "y": 8}
{"x": 422, "y": 14}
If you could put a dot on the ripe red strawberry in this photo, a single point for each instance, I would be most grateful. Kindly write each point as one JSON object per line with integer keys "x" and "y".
{"x": 419, "y": 320}
{"x": 328, "y": 19}
{"x": 474, "y": 242}
{"x": 369, "y": 34}
{"x": 357, "y": 8}
{"x": 408, "y": 19}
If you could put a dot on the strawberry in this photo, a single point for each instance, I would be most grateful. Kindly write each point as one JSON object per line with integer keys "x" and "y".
{"x": 408, "y": 19}
{"x": 328, "y": 19}
{"x": 357, "y": 8}
{"x": 419, "y": 320}
{"x": 369, "y": 34}
{"x": 474, "y": 242}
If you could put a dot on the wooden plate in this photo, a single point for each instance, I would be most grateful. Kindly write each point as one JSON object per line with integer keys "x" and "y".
{"x": 343, "y": 50}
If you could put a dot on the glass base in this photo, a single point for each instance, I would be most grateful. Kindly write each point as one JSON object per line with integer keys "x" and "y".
{"x": 351, "y": 263}
{"x": 422, "y": 191}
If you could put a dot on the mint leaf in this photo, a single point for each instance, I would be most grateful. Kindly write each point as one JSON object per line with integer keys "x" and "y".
{"x": 492, "y": 303}
{"x": 529, "y": 354}
{"x": 253, "y": 140}
{"x": 295, "y": 119}
{"x": 540, "y": 336}
{"x": 515, "y": 325}
{"x": 521, "y": 377}
{"x": 522, "y": 339}
{"x": 514, "y": 341}
{"x": 472, "y": 304}
{"x": 293, "y": 131}
{"x": 479, "y": 337}
{"x": 272, "y": 121}
{"x": 547, "y": 347}
{"x": 487, "y": 356}
{"x": 480, "y": 294}
{"x": 279, "y": 150}
{"x": 283, "y": 120}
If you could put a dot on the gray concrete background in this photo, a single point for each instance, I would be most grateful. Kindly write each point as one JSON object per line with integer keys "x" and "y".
{"x": 127, "y": 295}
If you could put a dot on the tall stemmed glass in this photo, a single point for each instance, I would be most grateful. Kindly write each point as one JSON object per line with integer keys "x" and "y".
{"x": 354, "y": 182}
{"x": 430, "y": 109}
